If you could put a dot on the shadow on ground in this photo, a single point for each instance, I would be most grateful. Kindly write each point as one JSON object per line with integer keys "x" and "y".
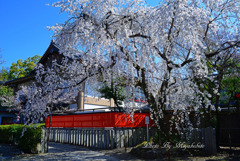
{"x": 59, "y": 151}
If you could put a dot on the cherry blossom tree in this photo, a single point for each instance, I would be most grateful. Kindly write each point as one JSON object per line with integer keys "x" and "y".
{"x": 160, "y": 50}
{"x": 222, "y": 68}
{"x": 46, "y": 94}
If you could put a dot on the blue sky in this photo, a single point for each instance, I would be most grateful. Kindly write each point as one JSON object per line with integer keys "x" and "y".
{"x": 23, "y": 29}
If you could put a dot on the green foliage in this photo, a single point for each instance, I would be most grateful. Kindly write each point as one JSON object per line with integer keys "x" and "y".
{"x": 223, "y": 79}
{"x": 4, "y": 74}
{"x": 31, "y": 137}
{"x": 213, "y": 121}
{"x": 141, "y": 144}
{"x": 115, "y": 91}
{"x": 6, "y": 91}
{"x": 5, "y": 134}
{"x": 12, "y": 133}
{"x": 23, "y": 68}
{"x": 6, "y": 96}
{"x": 231, "y": 86}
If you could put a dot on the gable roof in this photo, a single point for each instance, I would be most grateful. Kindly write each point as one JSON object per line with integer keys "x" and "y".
{"x": 52, "y": 48}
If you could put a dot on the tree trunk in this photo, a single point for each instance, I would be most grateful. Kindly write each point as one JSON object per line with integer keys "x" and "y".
{"x": 219, "y": 79}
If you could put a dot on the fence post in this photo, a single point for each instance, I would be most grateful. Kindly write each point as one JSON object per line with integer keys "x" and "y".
{"x": 59, "y": 131}
{"x": 74, "y": 136}
{"x": 134, "y": 137}
{"x": 84, "y": 138}
{"x": 210, "y": 141}
{"x": 43, "y": 141}
{"x": 70, "y": 135}
{"x": 55, "y": 140}
{"x": 61, "y": 135}
{"x": 66, "y": 136}
{"x": 53, "y": 130}
{"x": 94, "y": 138}
{"x": 55, "y": 135}
{"x": 117, "y": 138}
{"x": 77, "y": 136}
{"x": 88, "y": 138}
{"x": 130, "y": 137}
{"x": 121, "y": 139}
{"x": 143, "y": 135}
{"x": 91, "y": 138}
{"x": 126, "y": 138}
{"x": 105, "y": 139}
{"x": 81, "y": 133}
{"x": 98, "y": 138}
{"x": 112, "y": 139}
{"x": 101, "y": 138}
{"x": 138, "y": 136}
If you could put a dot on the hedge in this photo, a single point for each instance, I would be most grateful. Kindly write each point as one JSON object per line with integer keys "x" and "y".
{"x": 11, "y": 134}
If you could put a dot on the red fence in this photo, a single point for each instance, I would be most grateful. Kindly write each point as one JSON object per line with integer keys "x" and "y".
{"x": 107, "y": 119}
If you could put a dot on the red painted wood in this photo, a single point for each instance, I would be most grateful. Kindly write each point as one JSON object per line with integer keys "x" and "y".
{"x": 112, "y": 119}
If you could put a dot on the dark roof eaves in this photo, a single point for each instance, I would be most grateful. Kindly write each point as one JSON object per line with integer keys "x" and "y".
{"x": 52, "y": 47}
{"x": 18, "y": 80}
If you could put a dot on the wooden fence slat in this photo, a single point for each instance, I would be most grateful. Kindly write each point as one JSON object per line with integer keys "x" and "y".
{"x": 134, "y": 137}
{"x": 98, "y": 138}
{"x": 101, "y": 139}
{"x": 125, "y": 137}
{"x": 61, "y": 135}
{"x": 112, "y": 139}
{"x": 130, "y": 138}
{"x": 142, "y": 135}
{"x": 118, "y": 138}
{"x": 77, "y": 136}
{"x": 94, "y": 138}
{"x": 104, "y": 139}
{"x": 121, "y": 139}
{"x": 87, "y": 138}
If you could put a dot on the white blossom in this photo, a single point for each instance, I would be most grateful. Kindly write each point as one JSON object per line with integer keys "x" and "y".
{"x": 159, "y": 49}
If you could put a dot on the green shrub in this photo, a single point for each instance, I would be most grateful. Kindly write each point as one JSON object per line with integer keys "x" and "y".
{"x": 12, "y": 134}
{"x": 31, "y": 137}
{"x": 5, "y": 134}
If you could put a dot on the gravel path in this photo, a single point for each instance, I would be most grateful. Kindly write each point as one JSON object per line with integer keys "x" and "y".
{"x": 65, "y": 152}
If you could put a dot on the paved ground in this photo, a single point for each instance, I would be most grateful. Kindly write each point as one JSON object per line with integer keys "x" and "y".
{"x": 7, "y": 151}
{"x": 71, "y": 152}
{"x": 65, "y": 152}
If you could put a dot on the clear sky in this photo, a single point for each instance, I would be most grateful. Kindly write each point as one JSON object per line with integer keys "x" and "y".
{"x": 23, "y": 28}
